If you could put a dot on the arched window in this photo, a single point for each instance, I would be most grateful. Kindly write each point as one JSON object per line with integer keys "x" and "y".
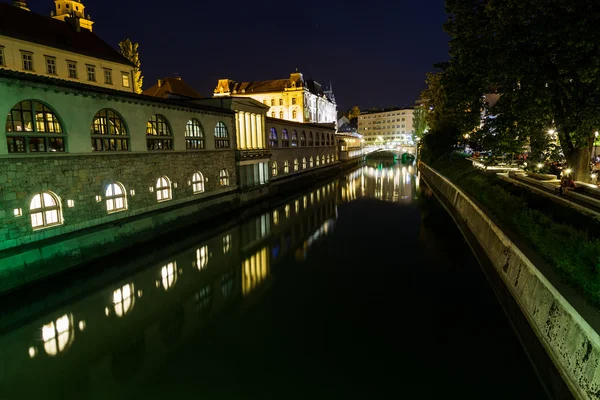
{"x": 194, "y": 135}
{"x": 327, "y": 139}
{"x": 311, "y": 163}
{"x": 303, "y": 139}
{"x": 286, "y": 167}
{"x": 323, "y": 159}
{"x": 318, "y": 161}
{"x": 296, "y": 164}
{"x": 310, "y": 139}
{"x": 280, "y": 114}
{"x": 116, "y": 199}
{"x": 294, "y": 114}
{"x": 224, "y": 178}
{"x": 109, "y": 132}
{"x": 327, "y": 158}
{"x": 273, "y": 138}
{"x": 32, "y": 127}
{"x": 303, "y": 162}
{"x": 198, "y": 182}
{"x": 158, "y": 134}
{"x": 274, "y": 169}
{"x": 221, "y": 136}
{"x": 285, "y": 138}
{"x": 45, "y": 210}
{"x": 163, "y": 189}
{"x": 322, "y": 139}
{"x": 294, "y": 139}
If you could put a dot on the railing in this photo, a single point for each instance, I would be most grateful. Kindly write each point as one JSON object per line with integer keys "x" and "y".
{"x": 252, "y": 153}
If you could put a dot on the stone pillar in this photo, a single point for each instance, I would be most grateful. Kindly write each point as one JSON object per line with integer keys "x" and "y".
{"x": 241, "y": 128}
{"x": 248, "y": 130}
{"x": 254, "y": 131}
{"x": 260, "y": 133}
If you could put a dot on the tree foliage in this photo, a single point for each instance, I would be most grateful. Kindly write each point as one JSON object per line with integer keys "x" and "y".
{"x": 543, "y": 56}
{"x": 130, "y": 51}
{"x": 353, "y": 113}
{"x": 419, "y": 123}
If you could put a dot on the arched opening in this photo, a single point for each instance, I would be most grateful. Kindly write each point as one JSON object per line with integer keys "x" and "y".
{"x": 45, "y": 210}
{"x": 273, "y": 138}
{"x": 116, "y": 198}
{"x": 221, "y": 136}
{"x": 158, "y": 133}
{"x": 224, "y": 178}
{"x": 32, "y": 127}
{"x": 109, "y": 132}
{"x": 198, "y": 182}
{"x": 194, "y": 135}
{"x": 163, "y": 189}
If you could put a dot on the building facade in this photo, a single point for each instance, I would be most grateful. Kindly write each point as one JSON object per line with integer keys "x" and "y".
{"x": 387, "y": 127}
{"x": 293, "y": 99}
{"x": 62, "y": 47}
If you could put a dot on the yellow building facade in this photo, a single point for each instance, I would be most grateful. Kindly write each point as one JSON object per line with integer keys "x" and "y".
{"x": 62, "y": 47}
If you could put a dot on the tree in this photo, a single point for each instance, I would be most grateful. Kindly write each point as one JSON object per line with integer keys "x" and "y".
{"x": 130, "y": 51}
{"x": 353, "y": 113}
{"x": 544, "y": 57}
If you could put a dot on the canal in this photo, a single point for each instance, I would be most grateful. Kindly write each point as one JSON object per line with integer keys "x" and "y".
{"x": 359, "y": 288}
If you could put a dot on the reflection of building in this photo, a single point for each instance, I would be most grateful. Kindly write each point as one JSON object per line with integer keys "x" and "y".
{"x": 293, "y": 98}
{"x": 61, "y": 47}
{"x": 387, "y": 126}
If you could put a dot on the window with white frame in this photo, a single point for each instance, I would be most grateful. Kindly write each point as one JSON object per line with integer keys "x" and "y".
{"x": 91, "y": 73}
{"x": 27, "y": 59}
{"x": 108, "y": 76}
{"x": 45, "y": 210}
{"x": 72, "y": 68}
{"x": 198, "y": 182}
{"x": 274, "y": 169}
{"x": 116, "y": 197}
{"x": 224, "y": 178}
{"x": 163, "y": 189}
{"x": 50, "y": 65}
{"x": 125, "y": 79}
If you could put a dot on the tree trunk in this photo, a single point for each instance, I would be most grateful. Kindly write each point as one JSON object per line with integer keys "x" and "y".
{"x": 579, "y": 162}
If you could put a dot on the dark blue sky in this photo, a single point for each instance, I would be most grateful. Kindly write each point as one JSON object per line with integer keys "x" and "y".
{"x": 375, "y": 54}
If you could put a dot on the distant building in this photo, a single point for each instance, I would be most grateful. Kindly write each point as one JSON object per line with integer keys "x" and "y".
{"x": 172, "y": 88}
{"x": 293, "y": 98}
{"x": 389, "y": 126}
{"x": 62, "y": 47}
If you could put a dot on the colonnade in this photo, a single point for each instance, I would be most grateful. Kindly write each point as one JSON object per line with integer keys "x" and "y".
{"x": 250, "y": 130}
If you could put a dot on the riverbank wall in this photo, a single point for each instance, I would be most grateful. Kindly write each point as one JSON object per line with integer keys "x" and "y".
{"x": 563, "y": 347}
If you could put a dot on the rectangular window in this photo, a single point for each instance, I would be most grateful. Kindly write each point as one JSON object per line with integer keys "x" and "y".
{"x": 125, "y": 78}
{"x": 293, "y": 101}
{"x": 272, "y": 102}
{"x": 72, "y": 67}
{"x": 51, "y": 65}
{"x": 107, "y": 76}
{"x": 280, "y": 102}
{"x": 1, "y": 55}
{"x": 27, "y": 61}
{"x": 91, "y": 73}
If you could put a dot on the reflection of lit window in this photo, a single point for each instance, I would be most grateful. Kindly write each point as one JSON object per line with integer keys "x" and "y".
{"x": 168, "y": 274}
{"x": 227, "y": 283}
{"x": 275, "y": 217}
{"x": 254, "y": 271}
{"x": 202, "y": 257}
{"x": 58, "y": 335}
{"x": 226, "y": 244}
{"x": 203, "y": 297}
{"x": 123, "y": 299}
{"x": 305, "y": 202}
{"x": 312, "y": 199}
{"x": 297, "y": 206}
{"x": 287, "y": 210}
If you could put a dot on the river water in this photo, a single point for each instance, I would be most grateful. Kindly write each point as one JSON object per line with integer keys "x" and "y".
{"x": 361, "y": 288}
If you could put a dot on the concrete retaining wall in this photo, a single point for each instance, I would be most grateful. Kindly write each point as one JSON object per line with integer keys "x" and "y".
{"x": 569, "y": 341}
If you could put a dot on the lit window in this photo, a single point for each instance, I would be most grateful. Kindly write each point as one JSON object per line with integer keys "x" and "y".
{"x": 125, "y": 79}
{"x": 294, "y": 139}
{"x": 202, "y": 257}
{"x": 116, "y": 199}
{"x": 194, "y": 135}
{"x": 274, "y": 169}
{"x": 303, "y": 162}
{"x": 58, "y": 335}
{"x": 163, "y": 189}
{"x": 273, "y": 137}
{"x": 280, "y": 114}
{"x": 18, "y": 212}
{"x": 108, "y": 76}
{"x": 224, "y": 178}
{"x": 310, "y": 163}
{"x": 109, "y": 132}
{"x": 226, "y": 244}
{"x": 286, "y": 167}
{"x": 204, "y": 298}
{"x": 158, "y": 133}
{"x": 70, "y": 203}
{"x": 285, "y": 138}
{"x": 198, "y": 182}
{"x": 323, "y": 159}
{"x": 91, "y": 73}
{"x": 72, "y": 67}
{"x": 296, "y": 164}
{"x": 27, "y": 59}
{"x": 168, "y": 275}
{"x": 327, "y": 159}
{"x": 51, "y": 65}
{"x": 273, "y": 114}
{"x": 45, "y": 210}
{"x": 34, "y": 128}
{"x": 221, "y": 136}
{"x": 317, "y": 159}
{"x": 123, "y": 300}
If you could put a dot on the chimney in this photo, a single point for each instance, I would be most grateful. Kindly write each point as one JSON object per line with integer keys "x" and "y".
{"x": 20, "y": 4}
{"x": 160, "y": 82}
{"x": 74, "y": 22}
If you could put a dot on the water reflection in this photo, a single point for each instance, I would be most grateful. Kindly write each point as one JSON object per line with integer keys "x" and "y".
{"x": 238, "y": 274}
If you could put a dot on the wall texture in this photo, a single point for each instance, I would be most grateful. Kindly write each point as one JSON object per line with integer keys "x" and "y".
{"x": 570, "y": 342}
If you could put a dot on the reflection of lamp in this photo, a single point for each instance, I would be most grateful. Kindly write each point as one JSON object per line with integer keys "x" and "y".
{"x": 596, "y": 135}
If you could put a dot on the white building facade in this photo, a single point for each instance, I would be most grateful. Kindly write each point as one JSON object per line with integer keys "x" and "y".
{"x": 393, "y": 126}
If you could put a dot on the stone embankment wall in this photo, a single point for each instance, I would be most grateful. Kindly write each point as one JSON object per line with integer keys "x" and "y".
{"x": 569, "y": 341}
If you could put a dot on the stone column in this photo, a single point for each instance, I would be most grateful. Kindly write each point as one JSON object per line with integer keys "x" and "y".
{"x": 248, "y": 130}
{"x": 254, "y": 131}
{"x": 241, "y": 128}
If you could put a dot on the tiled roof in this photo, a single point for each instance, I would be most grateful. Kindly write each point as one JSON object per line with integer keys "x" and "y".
{"x": 31, "y": 27}
{"x": 276, "y": 85}
{"x": 170, "y": 87}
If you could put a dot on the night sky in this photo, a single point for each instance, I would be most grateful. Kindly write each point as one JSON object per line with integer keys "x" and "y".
{"x": 375, "y": 54}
